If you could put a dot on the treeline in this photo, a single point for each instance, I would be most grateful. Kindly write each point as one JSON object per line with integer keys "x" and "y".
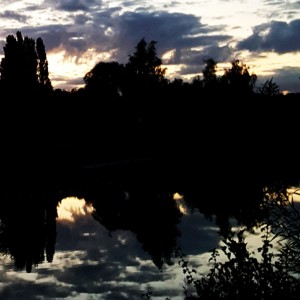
{"x": 132, "y": 110}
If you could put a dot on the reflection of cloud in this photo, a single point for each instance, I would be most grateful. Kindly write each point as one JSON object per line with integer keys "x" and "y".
{"x": 294, "y": 194}
{"x": 88, "y": 263}
{"x": 71, "y": 208}
{"x": 197, "y": 225}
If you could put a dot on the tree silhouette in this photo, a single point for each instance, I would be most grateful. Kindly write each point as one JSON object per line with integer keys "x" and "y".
{"x": 24, "y": 64}
{"x": 209, "y": 73}
{"x": 43, "y": 73}
{"x": 144, "y": 63}
{"x": 237, "y": 78}
{"x": 105, "y": 79}
{"x": 269, "y": 88}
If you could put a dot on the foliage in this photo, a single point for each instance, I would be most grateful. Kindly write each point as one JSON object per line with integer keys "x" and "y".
{"x": 284, "y": 216}
{"x": 24, "y": 63}
{"x": 43, "y": 73}
{"x": 245, "y": 275}
{"x": 105, "y": 78}
{"x": 209, "y": 73}
{"x": 238, "y": 79}
{"x": 269, "y": 88}
{"x": 144, "y": 64}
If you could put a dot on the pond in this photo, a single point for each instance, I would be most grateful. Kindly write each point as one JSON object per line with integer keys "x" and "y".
{"x": 108, "y": 237}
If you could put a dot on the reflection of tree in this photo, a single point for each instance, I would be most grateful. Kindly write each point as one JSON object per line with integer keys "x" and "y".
{"x": 284, "y": 219}
{"x": 155, "y": 226}
{"x": 260, "y": 274}
{"x": 150, "y": 214}
{"x": 28, "y": 231}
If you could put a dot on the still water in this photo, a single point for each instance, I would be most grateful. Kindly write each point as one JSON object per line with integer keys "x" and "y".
{"x": 91, "y": 262}
{"x": 111, "y": 241}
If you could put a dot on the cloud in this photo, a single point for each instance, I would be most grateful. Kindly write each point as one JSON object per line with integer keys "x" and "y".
{"x": 170, "y": 30}
{"x": 8, "y": 14}
{"x": 115, "y": 33}
{"x": 110, "y": 32}
{"x": 118, "y": 34}
{"x": 194, "y": 60}
{"x": 73, "y": 5}
{"x": 33, "y": 290}
{"x": 286, "y": 78}
{"x": 281, "y": 37}
{"x": 52, "y": 35}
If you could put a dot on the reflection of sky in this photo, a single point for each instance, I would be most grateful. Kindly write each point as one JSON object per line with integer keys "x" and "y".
{"x": 89, "y": 263}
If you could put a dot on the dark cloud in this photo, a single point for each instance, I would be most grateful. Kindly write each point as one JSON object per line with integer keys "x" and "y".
{"x": 286, "y": 78}
{"x": 194, "y": 61}
{"x": 170, "y": 31}
{"x": 81, "y": 19}
{"x": 8, "y": 14}
{"x": 25, "y": 289}
{"x": 281, "y": 37}
{"x": 52, "y": 35}
{"x": 110, "y": 31}
{"x": 129, "y": 3}
{"x": 74, "y": 5}
{"x": 196, "y": 225}
{"x": 219, "y": 54}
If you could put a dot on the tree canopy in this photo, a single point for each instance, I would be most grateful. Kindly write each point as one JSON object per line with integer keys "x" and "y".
{"x": 24, "y": 66}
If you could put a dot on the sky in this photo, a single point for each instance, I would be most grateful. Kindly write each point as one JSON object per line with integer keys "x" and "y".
{"x": 263, "y": 35}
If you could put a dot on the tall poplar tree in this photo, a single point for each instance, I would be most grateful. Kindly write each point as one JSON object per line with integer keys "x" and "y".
{"x": 43, "y": 73}
{"x": 24, "y": 66}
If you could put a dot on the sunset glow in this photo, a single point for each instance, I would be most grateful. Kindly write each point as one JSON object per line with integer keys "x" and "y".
{"x": 79, "y": 34}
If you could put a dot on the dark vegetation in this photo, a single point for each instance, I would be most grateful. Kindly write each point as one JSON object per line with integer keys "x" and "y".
{"x": 130, "y": 129}
{"x": 268, "y": 272}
